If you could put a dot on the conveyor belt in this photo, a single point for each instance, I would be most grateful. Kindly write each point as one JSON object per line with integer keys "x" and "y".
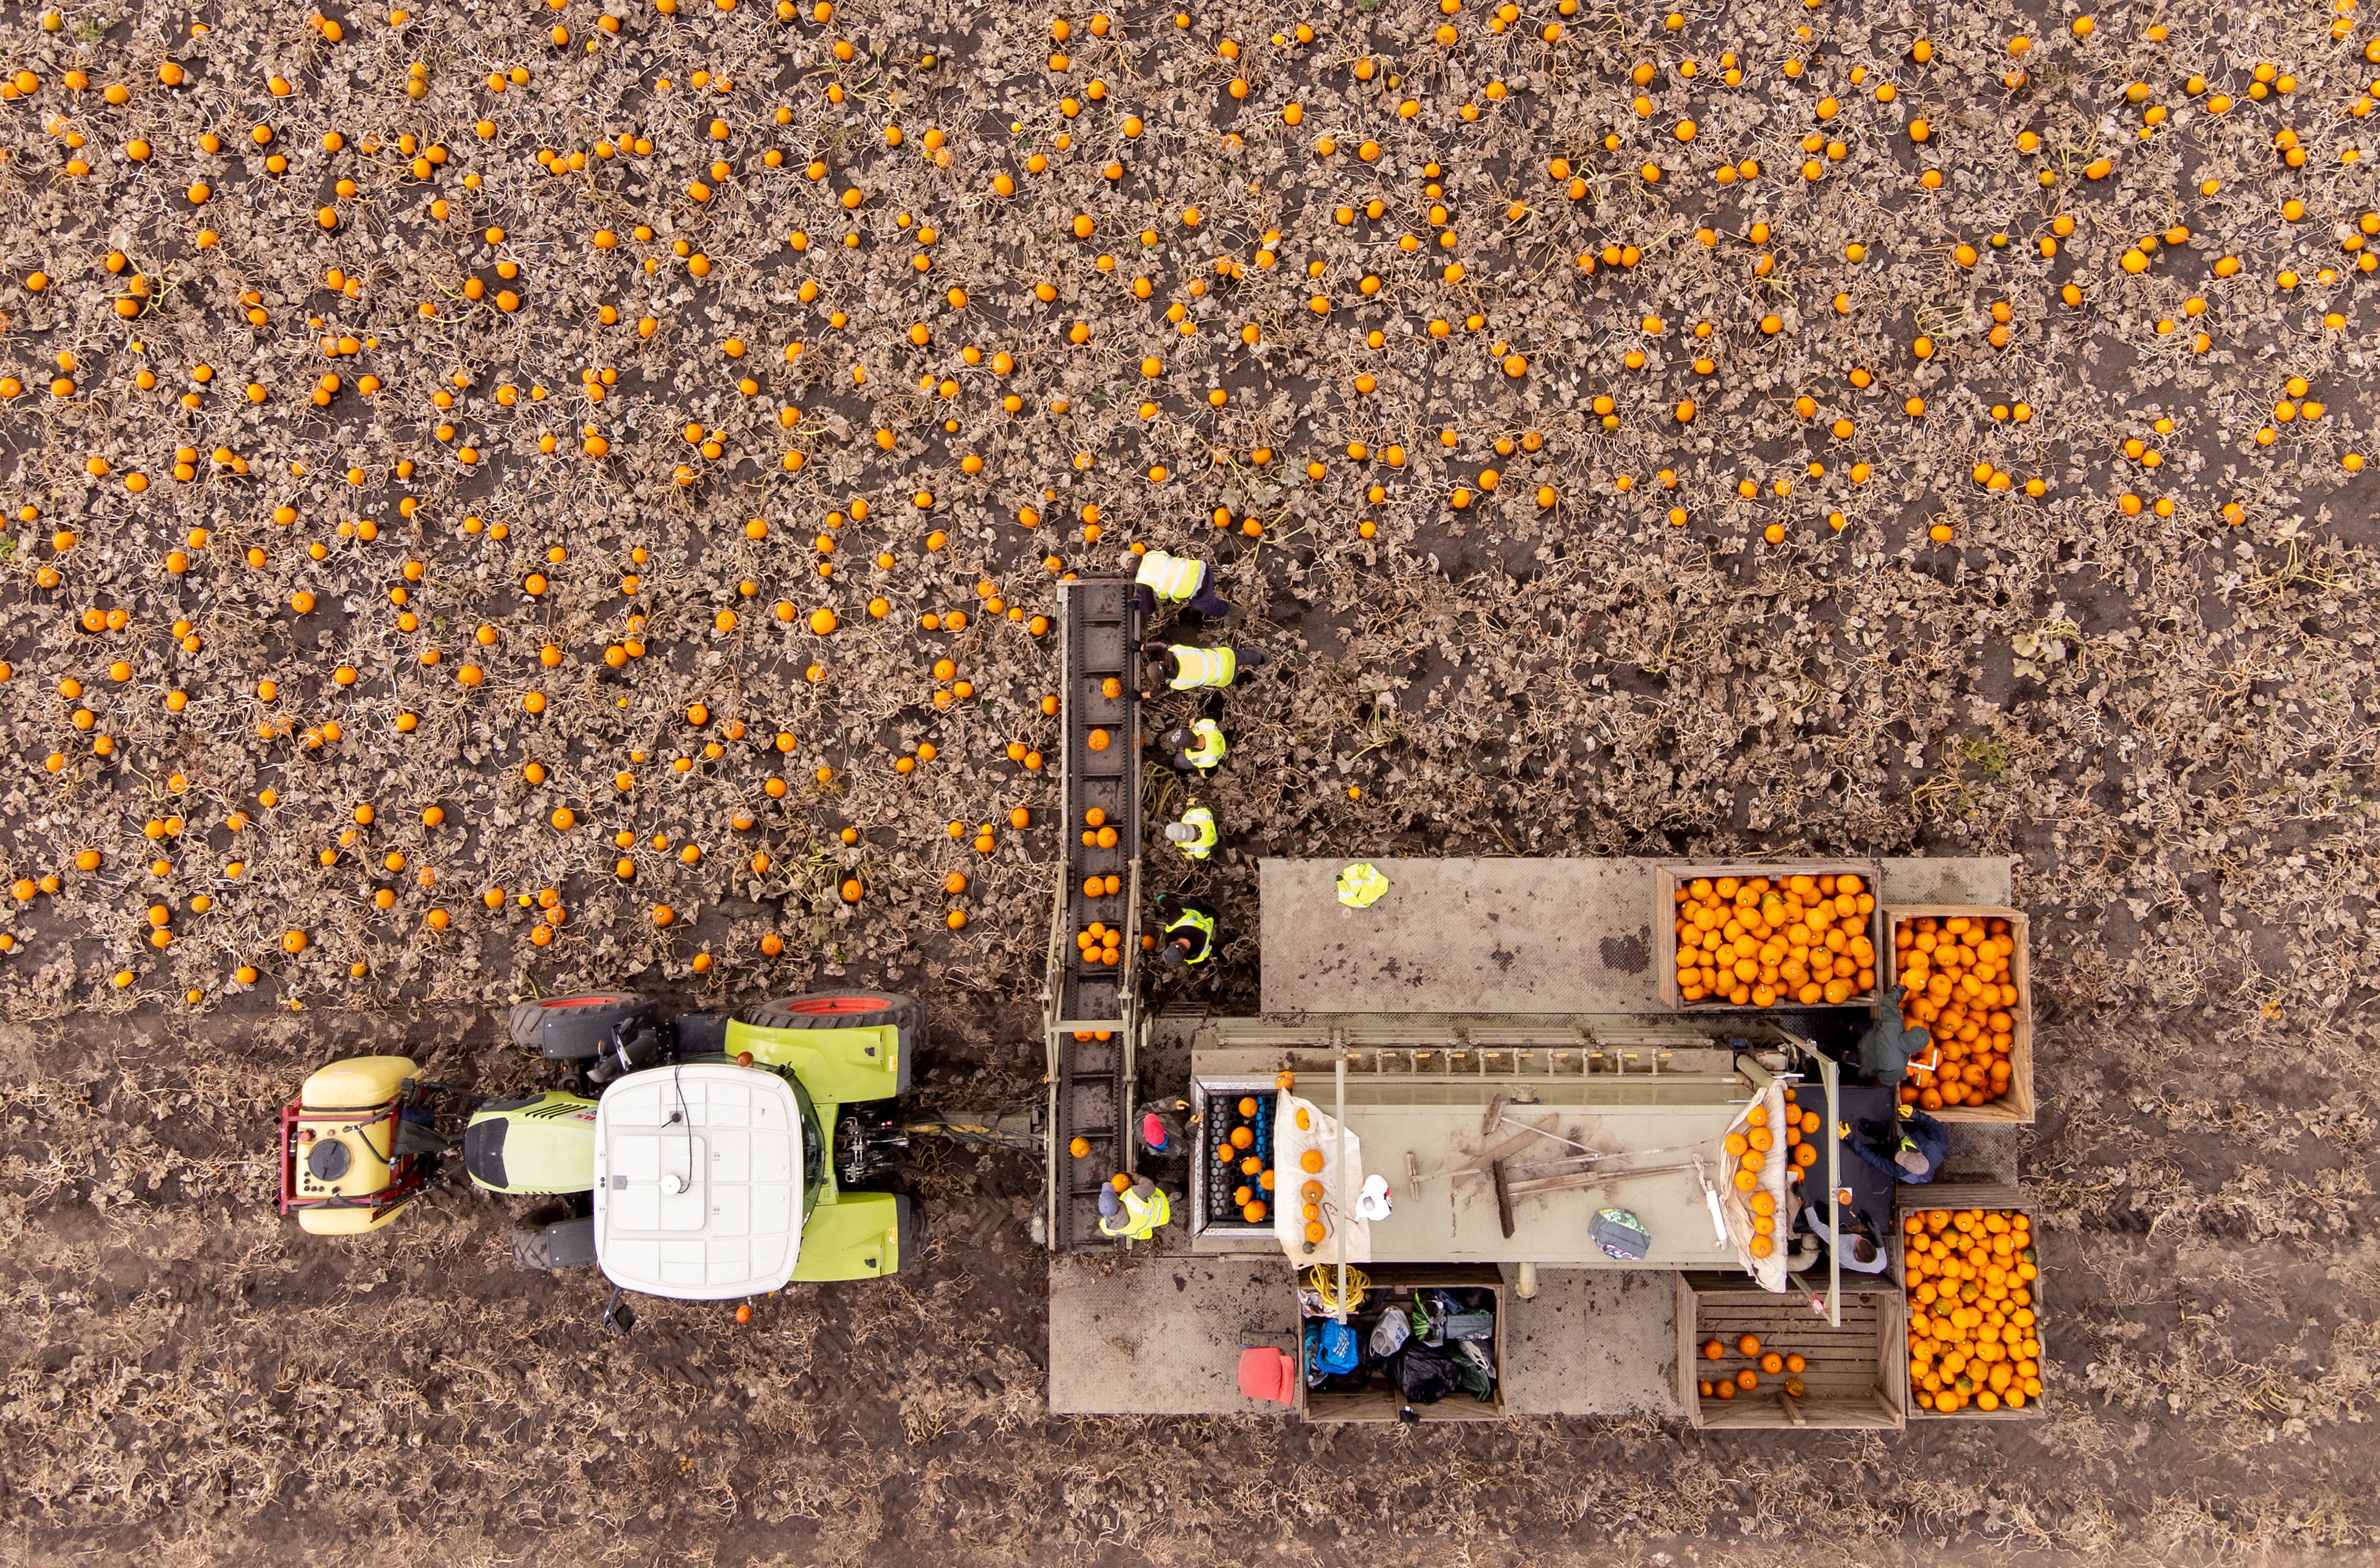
{"x": 1090, "y": 1014}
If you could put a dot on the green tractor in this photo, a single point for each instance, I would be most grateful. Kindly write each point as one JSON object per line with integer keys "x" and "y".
{"x": 700, "y": 1158}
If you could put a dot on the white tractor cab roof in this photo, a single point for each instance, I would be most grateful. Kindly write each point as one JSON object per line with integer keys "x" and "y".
{"x": 698, "y": 1182}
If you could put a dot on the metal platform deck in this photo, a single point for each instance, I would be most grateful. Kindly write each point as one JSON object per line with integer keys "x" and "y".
{"x": 1162, "y": 1336}
{"x": 1506, "y": 935}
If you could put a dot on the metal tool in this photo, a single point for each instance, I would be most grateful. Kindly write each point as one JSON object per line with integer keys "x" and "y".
{"x": 1495, "y": 1119}
{"x": 1578, "y": 1181}
{"x": 1583, "y": 1181}
{"x": 1710, "y": 1196}
{"x": 1505, "y": 1152}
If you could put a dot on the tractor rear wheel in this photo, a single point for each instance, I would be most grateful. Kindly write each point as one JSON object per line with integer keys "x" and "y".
{"x": 571, "y": 1029}
{"x": 850, "y": 1010}
{"x": 838, "y": 1010}
{"x": 911, "y": 1229}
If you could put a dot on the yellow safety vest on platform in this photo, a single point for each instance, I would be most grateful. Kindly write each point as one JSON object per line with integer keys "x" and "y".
{"x": 1360, "y": 884}
{"x": 1174, "y": 577}
{"x": 1202, "y": 667}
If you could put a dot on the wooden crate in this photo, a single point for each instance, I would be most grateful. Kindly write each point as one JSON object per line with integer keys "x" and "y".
{"x": 1858, "y": 1374}
{"x": 1955, "y": 1195}
{"x": 1670, "y": 875}
{"x": 2017, "y": 1105}
{"x": 1381, "y": 1402}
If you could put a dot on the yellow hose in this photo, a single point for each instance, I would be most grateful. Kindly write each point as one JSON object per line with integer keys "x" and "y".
{"x": 1324, "y": 1282}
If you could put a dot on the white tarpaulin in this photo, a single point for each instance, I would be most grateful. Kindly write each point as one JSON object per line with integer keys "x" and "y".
{"x": 1735, "y": 1203}
{"x": 1299, "y": 1126}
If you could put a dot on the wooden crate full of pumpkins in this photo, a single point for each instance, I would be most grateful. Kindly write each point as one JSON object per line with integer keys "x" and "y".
{"x": 1794, "y": 933}
{"x": 1971, "y": 1276}
{"x": 1970, "y": 983}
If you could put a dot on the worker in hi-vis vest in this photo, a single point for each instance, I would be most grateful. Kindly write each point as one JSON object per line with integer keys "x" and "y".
{"x": 1187, "y": 668}
{"x": 1194, "y": 834}
{"x": 1134, "y": 1211}
{"x": 1189, "y": 926}
{"x": 1178, "y": 579}
{"x": 1198, "y": 748}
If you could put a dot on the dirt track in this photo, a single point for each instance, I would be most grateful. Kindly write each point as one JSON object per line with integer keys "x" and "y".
{"x": 189, "y": 1382}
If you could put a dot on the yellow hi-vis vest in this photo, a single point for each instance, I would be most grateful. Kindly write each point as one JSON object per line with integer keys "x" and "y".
{"x": 1202, "y": 667}
{"x": 1201, "y": 819}
{"x": 1173, "y": 578}
{"x": 1141, "y": 1217}
{"x": 1360, "y": 884}
{"x": 1207, "y": 744}
{"x": 1204, "y": 925}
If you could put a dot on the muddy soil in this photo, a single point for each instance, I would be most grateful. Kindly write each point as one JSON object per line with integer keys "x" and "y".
{"x": 432, "y": 442}
{"x": 189, "y": 1381}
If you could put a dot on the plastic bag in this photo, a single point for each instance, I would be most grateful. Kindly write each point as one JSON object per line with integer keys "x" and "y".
{"x": 1619, "y": 1234}
{"x": 1467, "y": 1326}
{"x": 1389, "y": 1335}
{"x": 1472, "y": 1378}
{"x": 1329, "y": 1350}
{"x": 1426, "y": 1376}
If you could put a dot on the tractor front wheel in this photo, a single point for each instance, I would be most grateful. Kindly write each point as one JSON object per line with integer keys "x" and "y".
{"x": 552, "y": 1237}
{"x": 572, "y": 1029}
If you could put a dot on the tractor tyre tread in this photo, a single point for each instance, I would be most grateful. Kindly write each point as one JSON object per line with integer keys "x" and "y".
{"x": 784, "y": 1012}
{"x": 530, "y": 1241}
{"x": 574, "y": 1032}
{"x": 905, "y": 1014}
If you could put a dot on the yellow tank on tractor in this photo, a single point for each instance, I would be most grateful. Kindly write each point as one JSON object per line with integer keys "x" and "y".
{"x": 357, "y": 1145}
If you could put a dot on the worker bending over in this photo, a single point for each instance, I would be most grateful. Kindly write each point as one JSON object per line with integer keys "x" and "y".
{"x": 1189, "y": 926}
{"x": 1134, "y": 1211}
{"x": 1889, "y": 1044}
{"x": 1856, "y": 1246}
{"x": 1909, "y": 1148}
{"x": 1188, "y": 668}
{"x": 1194, "y": 834}
{"x": 1161, "y": 1131}
{"x": 1177, "y": 579}
{"x": 1198, "y": 748}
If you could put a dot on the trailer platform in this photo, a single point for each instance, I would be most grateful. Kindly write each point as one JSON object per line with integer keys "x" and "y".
{"x": 1506, "y": 935}
{"x": 1162, "y": 1336}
